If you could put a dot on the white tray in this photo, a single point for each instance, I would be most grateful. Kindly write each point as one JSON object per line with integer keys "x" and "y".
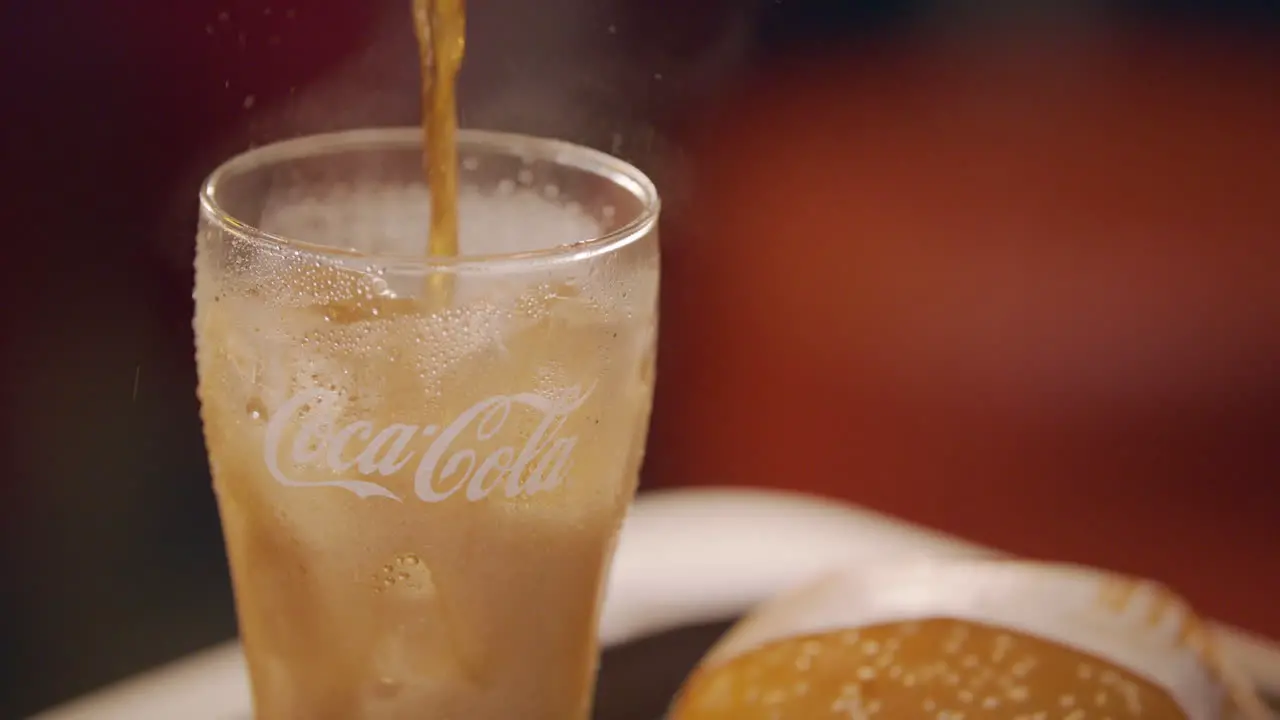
{"x": 686, "y": 557}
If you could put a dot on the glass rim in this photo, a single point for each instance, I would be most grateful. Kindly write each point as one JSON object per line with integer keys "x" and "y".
{"x": 558, "y": 152}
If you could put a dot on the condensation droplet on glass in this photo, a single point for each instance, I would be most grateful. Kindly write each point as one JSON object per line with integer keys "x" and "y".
{"x": 388, "y": 687}
{"x": 249, "y": 101}
{"x": 255, "y": 409}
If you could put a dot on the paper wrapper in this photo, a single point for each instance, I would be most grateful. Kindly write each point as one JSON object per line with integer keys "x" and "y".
{"x": 1125, "y": 627}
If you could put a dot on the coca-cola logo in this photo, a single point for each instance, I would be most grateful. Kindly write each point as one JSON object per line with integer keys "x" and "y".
{"x": 448, "y": 465}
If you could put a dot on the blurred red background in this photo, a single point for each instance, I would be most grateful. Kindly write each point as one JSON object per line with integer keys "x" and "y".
{"x": 1026, "y": 292}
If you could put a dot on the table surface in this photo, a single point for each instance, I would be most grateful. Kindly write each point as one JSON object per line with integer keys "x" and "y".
{"x": 659, "y": 602}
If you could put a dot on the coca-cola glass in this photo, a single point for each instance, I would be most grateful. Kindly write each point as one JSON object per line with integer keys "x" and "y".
{"x": 422, "y": 463}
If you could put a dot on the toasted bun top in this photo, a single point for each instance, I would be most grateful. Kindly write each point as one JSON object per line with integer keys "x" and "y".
{"x": 937, "y": 669}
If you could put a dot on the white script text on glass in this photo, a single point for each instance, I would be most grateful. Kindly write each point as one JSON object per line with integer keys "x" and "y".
{"x": 543, "y": 461}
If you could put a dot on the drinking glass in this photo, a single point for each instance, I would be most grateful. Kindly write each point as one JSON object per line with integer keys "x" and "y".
{"x": 422, "y": 463}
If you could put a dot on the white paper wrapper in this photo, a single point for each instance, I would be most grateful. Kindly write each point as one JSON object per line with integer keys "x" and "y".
{"x": 1132, "y": 624}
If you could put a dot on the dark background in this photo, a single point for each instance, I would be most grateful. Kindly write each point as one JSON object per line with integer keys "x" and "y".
{"x": 110, "y": 551}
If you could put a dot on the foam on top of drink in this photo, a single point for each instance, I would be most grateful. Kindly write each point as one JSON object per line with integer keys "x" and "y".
{"x": 394, "y": 220}
{"x": 382, "y": 219}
